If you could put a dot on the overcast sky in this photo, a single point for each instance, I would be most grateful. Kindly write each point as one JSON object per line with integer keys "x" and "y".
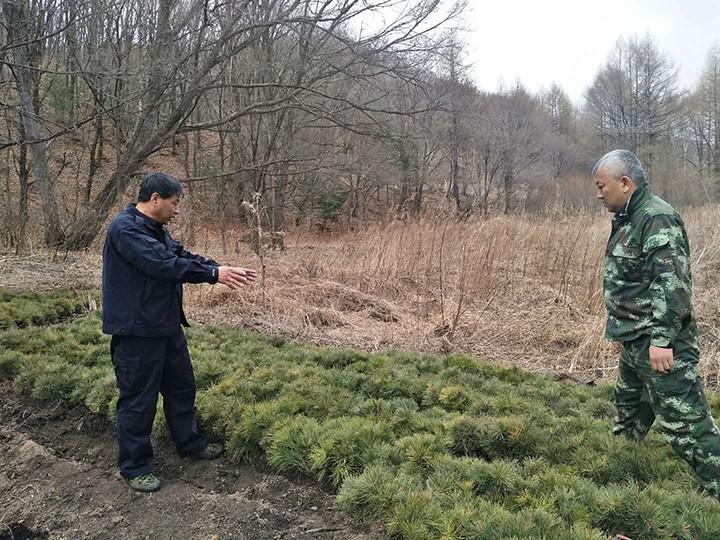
{"x": 567, "y": 41}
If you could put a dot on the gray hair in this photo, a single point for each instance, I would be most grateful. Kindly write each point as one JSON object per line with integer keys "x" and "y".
{"x": 623, "y": 163}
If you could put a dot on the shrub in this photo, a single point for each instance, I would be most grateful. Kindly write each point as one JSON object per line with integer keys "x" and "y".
{"x": 499, "y": 480}
{"x": 416, "y": 517}
{"x": 10, "y": 364}
{"x": 633, "y": 512}
{"x": 348, "y": 447}
{"x": 421, "y": 450}
{"x": 373, "y": 494}
{"x": 19, "y": 309}
{"x": 454, "y": 398}
{"x": 101, "y": 394}
{"x": 251, "y": 424}
{"x": 290, "y": 444}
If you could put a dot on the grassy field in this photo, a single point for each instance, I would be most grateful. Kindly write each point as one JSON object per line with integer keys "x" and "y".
{"x": 432, "y": 446}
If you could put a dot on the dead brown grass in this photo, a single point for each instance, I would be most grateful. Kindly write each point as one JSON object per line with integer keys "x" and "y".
{"x": 520, "y": 290}
{"x": 513, "y": 290}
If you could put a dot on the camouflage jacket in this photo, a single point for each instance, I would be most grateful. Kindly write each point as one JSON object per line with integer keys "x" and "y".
{"x": 648, "y": 283}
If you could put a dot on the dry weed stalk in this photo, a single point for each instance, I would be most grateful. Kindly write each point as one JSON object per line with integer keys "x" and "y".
{"x": 256, "y": 234}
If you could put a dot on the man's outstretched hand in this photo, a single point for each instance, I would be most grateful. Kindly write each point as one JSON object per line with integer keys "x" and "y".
{"x": 234, "y": 276}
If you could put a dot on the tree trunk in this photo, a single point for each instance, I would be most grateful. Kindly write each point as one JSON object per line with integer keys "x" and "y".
{"x": 23, "y": 177}
{"x": 96, "y": 151}
{"x": 85, "y": 229}
{"x": 27, "y": 84}
{"x": 417, "y": 199}
{"x": 508, "y": 185}
{"x": 454, "y": 187}
{"x": 53, "y": 231}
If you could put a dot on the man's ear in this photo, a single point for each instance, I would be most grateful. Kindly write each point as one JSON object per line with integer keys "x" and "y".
{"x": 626, "y": 182}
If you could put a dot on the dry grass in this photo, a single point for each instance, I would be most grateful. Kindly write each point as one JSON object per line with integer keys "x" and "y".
{"x": 518, "y": 291}
{"x": 521, "y": 290}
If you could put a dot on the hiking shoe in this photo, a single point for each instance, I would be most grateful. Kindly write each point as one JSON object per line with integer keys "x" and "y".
{"x": 211, "y": 451}
{"x": 145, "y": 483}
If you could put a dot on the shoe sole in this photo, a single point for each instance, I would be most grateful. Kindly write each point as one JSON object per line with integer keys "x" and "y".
{"x": 151, "y": 489}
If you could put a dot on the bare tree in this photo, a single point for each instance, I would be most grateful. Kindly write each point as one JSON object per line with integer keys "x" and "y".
{"x": 25, "y": 29}
{"x": 634, "y": 101}
{"x": 520, "y": 139}
{"x": 559, "y": 142}
{"x": 703, "y": 113}
{"x": 286, "y": 62}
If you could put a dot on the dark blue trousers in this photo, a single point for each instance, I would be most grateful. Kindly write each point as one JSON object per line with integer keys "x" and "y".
{"x": 145, "y": 367}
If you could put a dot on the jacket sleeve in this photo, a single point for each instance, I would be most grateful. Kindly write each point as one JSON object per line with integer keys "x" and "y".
{"x": 668, "y": 266}
{"x": 180, "y": 251}
{"x": 152, "y": 257}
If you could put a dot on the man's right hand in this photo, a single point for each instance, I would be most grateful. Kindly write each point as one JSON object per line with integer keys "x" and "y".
{"x": 661, "y": 359}
{"x": 234, "y": 276}
{"x": 617, "y": 346}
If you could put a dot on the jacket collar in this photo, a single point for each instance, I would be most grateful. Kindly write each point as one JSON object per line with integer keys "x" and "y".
{"x": 132, "y": 208}
{"x": 636, "y": 200}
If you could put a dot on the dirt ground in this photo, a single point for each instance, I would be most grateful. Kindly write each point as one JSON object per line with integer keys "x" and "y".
{"x": 58, "y": 480}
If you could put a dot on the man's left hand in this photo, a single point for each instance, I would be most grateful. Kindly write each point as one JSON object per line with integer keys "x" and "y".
{"x": 661, "y": 360}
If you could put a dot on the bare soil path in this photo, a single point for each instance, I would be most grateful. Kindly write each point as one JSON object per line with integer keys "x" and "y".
{"x": 58, "y": 480}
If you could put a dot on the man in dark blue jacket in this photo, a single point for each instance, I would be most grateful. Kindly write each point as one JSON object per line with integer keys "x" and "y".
{"x": 143, "y": 273}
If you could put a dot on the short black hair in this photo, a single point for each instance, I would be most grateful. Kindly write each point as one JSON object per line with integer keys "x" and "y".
{"x": 161, "y": 183}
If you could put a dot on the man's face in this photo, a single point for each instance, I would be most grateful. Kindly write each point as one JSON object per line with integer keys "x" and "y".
{"x": 164, "y": 209}
{"x": 611, "y": 191}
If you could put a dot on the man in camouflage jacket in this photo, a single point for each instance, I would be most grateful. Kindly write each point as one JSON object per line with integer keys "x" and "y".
{"x": 648, "y": 296}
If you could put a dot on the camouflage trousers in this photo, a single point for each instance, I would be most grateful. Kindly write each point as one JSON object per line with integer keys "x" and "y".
{"x": 676, "y": 400}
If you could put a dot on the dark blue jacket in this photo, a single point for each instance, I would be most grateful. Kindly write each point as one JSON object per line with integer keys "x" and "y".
{"x": 143, "y": 273}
